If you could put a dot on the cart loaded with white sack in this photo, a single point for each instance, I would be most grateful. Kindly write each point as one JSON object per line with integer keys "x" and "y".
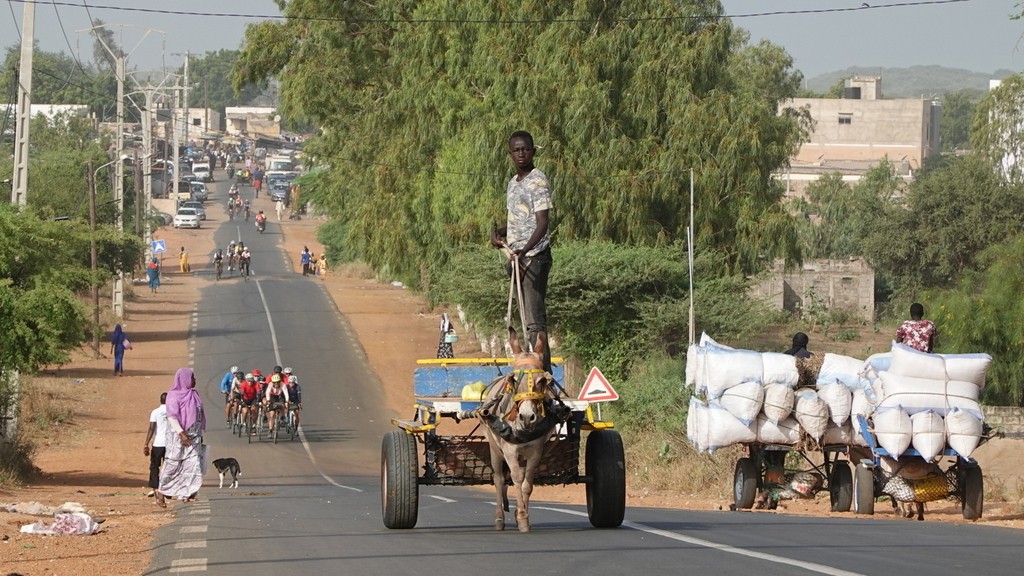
{"x": 902, "y": 423}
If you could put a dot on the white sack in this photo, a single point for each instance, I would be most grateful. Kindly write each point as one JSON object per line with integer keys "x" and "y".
{"x": 967, "y": 367}
{"x": 743, "y": 401}
{"x": 893, "y": 430}
{"x": 963, "y": 431}
{"x": 779, "y": 369}
{"x": 724, "y": 429}
{"x": 811, "y": 412}
{"x": 907, "y": 361}
{"x": 722, "y": 369}
{"x": 694, "y": 360}
{"x": 929, "y": 434}
{"x": 839, "y": 400}
{"x": 785, "y": 432}
{"x": 839, "y": 368}
{"x": 778, "y": 402}
{"x": 837, "y": 435}
{"x": 922, "y": 394}
{"x": 696, "y": 424}
{"x": 859, "y": 407}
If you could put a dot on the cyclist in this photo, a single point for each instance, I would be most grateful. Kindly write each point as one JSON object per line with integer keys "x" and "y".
{"x": 225, "y": 389}
{"x": 218, "y": 262}
{"x": 247, "y": 209}
{"x": 295, "y": 395}
{"x": 244, "y": 259}
{"x": 231, "y": 209}
{"x": 276, "y": 399}
{"x": 250, "y": 394}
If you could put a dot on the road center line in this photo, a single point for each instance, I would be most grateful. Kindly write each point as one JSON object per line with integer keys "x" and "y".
{"x": 809, "y": 566}
{"x": 277, "y": 358}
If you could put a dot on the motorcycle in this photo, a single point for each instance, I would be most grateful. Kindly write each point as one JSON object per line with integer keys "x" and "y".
{"x": 261, "y": 225}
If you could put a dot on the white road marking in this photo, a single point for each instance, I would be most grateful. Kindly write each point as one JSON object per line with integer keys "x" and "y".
{"x": 277, "y": 358}
{"x": 441, "y": 498}
{"x": 809, "y": 566}
{"x": 189, "y": 565}
{"x": 193, "y": 529}
{"x": 190, "y": 544}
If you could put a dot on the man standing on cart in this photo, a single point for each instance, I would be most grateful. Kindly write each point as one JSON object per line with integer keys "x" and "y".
{"x": 528, "y": 200}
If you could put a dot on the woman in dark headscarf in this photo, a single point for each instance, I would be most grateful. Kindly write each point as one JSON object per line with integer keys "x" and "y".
{"x": 117, "y": 348}
{"x": 184, "y": 461}
{"x": 799, "y": 349}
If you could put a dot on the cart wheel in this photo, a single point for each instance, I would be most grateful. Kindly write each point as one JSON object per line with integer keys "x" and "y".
{"x": 744, "y": 483}
{"x": 864, "y": 490}
{"x": 606, "y": 467}
{"x": 972, "y": 489}
{"x": 840, "y": 487}
{"x": 399, "y": 490}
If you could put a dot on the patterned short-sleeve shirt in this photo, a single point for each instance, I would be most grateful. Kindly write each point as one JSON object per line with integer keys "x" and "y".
{"x": 525, "y": 198}
{"x": 917, "y": 334}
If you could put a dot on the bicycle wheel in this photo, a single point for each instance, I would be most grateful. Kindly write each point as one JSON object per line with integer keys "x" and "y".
{"x": 277, "y": 428}
{"x": 291, "y": 424}
{"x": 220, "y": 270}
{"x": 249, "y": 427}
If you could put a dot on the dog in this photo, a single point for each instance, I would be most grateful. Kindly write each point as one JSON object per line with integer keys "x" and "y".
{"x": 228, "y": 466}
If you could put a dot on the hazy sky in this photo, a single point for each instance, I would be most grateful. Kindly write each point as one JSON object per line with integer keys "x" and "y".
{"x": 976, "y": 35}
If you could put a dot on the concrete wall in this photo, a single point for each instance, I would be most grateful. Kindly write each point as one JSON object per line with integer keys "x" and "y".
{"x": 903, "y": 130}
{"x": 836, "y": 284}
{"x": 1006, "y": 419}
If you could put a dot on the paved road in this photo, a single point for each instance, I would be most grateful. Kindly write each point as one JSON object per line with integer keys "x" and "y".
{"x": 313, "y": 506}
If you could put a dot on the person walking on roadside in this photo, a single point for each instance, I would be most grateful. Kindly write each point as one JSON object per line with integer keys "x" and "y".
{"x": 118, "y": 344}
{"x": 306, "y": 259}
{"x": 321, "y": 266}
{"x": 444, "y": 345}
{"x": 184, "y": 461}
{"x": 153, "y": 273}
{"x": 157, "y": 434}
{"x": 279, "y": 208}
{"x": 183, "y": 264}
{"x": 917, "y": 332}
{"x": 525, "y": 235}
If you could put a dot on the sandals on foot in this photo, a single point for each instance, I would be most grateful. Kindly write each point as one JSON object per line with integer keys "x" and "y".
{"x": 160, "y": 500}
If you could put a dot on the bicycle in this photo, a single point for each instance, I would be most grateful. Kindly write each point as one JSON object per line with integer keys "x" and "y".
{"x": 220, "y": 268}
{"x": 231, "y": 211}
{"x": 293, "y": 412}
{"x": 243, "y": 268}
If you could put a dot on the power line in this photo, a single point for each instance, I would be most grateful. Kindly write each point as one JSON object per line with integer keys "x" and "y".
{"x": 859, "y": 8}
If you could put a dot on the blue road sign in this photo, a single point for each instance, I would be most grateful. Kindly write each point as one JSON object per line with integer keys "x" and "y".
{"x": 158, "y": 246}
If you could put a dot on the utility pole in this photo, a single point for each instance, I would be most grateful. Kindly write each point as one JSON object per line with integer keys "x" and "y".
{"x": 138, "y": 191}
{"x": 19, "y": 185}
{"x": 93, "y": 256}
{"x": 174, "y": 147}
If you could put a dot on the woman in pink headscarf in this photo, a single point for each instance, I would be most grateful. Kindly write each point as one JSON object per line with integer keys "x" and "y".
{"x": 184, "y": 462}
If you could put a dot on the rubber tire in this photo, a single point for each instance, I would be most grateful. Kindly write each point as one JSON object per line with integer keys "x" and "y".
{"x": 972, "y": 487}
{"x": 841, "y": 487}
{"x": 606, "y": 467}
{"x": 744, "y": 483}
{"x": 863, "y": 490}
{"x": 399, "y": 486}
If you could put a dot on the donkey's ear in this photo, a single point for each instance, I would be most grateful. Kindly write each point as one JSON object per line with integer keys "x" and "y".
{"x": 513, "y": 341}
{"x": 542, "y": 342}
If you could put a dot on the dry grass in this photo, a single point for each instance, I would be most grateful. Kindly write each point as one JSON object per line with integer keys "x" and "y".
{"x": 46, "y": 412}
{"x": 661, "y": 464}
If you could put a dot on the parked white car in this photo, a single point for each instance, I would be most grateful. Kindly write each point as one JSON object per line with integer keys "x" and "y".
{"x": 186, "y": 218}
{"x": 198, "y": 206}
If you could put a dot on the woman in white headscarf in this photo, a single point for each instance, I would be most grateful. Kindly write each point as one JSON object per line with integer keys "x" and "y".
{"x": 444, "y": 346}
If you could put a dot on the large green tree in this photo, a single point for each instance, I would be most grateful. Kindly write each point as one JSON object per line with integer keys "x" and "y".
{"x": 957, "y": 114}
{"x": 415, "y": 101}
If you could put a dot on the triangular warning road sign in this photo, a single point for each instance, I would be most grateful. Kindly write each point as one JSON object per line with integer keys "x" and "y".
{"x": 597, "y": 389}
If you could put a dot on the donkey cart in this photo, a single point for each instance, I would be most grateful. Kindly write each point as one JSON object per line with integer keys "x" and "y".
{"x": 763, "y": 472}
{"x": 962, "y": 479}
{"x": 440, "y": 389}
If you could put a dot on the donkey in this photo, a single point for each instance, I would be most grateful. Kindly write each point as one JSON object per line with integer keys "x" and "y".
{"x": 519, "y": 416}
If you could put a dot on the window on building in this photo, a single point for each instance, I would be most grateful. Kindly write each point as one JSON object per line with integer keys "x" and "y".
{"x": 846, "y": 118}
{"x": 197, "y": 121}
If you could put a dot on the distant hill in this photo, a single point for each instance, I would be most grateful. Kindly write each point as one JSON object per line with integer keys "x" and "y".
{"x": 912, "y": 82}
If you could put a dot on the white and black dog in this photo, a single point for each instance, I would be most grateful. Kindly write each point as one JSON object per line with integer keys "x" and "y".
{"x": 228, "y": 466}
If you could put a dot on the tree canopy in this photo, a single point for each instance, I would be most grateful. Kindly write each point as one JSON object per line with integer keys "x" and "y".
{"x": 415, "y": 100}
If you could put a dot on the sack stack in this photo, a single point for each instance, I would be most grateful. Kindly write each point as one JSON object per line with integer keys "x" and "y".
{"x": 911, "y": 399}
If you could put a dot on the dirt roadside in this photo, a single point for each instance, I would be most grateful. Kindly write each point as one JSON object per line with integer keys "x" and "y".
{"x": 98, "y": 460}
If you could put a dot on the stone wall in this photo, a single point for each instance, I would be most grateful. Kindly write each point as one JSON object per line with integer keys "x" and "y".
{"x": 834, "y": 284}
{"x": 1006, "y": 419}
